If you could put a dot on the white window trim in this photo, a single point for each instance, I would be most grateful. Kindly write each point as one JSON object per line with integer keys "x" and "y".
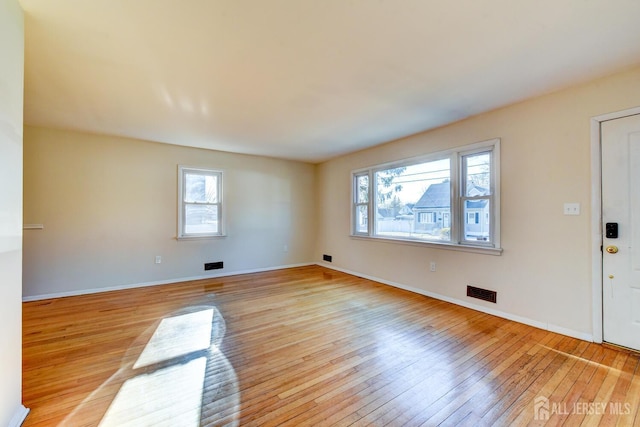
{"x": 457, "y": 216}
{"x": 181, "y": 235}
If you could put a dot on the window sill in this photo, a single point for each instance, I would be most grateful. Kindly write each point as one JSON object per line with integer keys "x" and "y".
{"x": 435, "y": 245}
{"x": 211, "y": 236}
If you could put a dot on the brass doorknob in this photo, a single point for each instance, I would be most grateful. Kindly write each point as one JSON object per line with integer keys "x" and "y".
{"x": 612, "y": 249}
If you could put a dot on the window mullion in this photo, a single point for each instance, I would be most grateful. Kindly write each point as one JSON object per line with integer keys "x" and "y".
{"x": 373, "y": 188}
{"x": 355, "y": 192}
{"x": 456, "y": 221}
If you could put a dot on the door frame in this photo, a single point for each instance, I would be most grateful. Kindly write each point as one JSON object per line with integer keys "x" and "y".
{"x": 596, "y": 217}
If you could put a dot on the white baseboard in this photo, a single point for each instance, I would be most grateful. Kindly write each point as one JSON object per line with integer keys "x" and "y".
{"x": 19, "y": 416}
{"x": 157, "y": 283}
{"x": 509, "y": 316}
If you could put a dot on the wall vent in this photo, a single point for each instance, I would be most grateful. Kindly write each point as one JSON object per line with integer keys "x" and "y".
{"x": 483, "y": 294}
{"x": 327, "y": 258}
{"x": 213, "y": 265}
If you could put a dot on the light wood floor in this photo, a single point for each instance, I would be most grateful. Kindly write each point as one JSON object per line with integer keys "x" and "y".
{"x": 309, "y": 346}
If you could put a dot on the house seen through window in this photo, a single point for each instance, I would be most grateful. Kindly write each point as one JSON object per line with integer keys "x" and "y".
{"x": 447, "y": 197}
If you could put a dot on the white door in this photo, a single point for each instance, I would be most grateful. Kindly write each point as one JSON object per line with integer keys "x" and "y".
{"x": 621, "y": 205}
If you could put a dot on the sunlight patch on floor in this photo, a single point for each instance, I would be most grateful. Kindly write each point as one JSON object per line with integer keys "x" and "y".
{"x": 180, "y": 378}
{"x": 587, "y": 361}
{"x": 167, "y": 397}
{"x": 177, "y": 336}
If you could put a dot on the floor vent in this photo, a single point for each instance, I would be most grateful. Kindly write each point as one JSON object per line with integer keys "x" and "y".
{"x": 483, "y": 294}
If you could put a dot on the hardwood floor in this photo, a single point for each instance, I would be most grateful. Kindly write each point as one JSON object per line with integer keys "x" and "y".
{"x": 308, "y": 346}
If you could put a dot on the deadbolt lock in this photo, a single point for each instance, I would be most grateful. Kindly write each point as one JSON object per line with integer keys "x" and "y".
{"x": 612, "y": 249}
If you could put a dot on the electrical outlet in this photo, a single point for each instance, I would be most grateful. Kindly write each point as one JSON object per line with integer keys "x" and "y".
{"x": 432, "y": 266}
{"x": 572, "y": 208}
{"x": 286, "y": 248}
{"x": 158, "y": 259}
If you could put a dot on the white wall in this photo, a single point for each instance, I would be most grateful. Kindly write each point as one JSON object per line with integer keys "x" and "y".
{"x": 544, "y": 273}
{"x": 11, "y": 84}
{"x": 109, "y": 206}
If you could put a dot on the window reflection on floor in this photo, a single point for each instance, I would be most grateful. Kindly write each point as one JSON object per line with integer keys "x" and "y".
{"x": 177, "y": 336}
{"x": 160, "y": 398}
{"x": 180, "y": 378}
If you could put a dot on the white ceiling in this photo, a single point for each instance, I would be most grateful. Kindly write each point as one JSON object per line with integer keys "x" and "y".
{"x": 307, "y": 79}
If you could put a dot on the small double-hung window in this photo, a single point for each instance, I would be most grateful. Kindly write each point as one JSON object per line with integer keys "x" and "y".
{"x": 449, "y": 198}
{"x": 200, "y": 202}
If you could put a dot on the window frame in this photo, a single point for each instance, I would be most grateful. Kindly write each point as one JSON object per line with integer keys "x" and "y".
{"x": 182, "y": 204}
{"x": 457, "y": 216}
{"x": 463, "y": 198}
{"x": 358, "y": 204}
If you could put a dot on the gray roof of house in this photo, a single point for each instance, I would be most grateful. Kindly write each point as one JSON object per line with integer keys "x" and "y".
{"x": 476, "y": 190}
{"x": 476, "y": 204}
{"x": 436, "y": 196}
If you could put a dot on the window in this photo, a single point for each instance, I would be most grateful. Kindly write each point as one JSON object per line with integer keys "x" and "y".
{"x": 447, "y": 198}
{"x": 476, "y": 195}
{"x": 200, "y": 202}
{"x": 361, "y": 189}
{"x": 426, "y": 217}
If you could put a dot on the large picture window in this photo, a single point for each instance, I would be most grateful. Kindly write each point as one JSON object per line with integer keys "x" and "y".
{"x": 200, "y": 202}
{"x": 448, "y": 198}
